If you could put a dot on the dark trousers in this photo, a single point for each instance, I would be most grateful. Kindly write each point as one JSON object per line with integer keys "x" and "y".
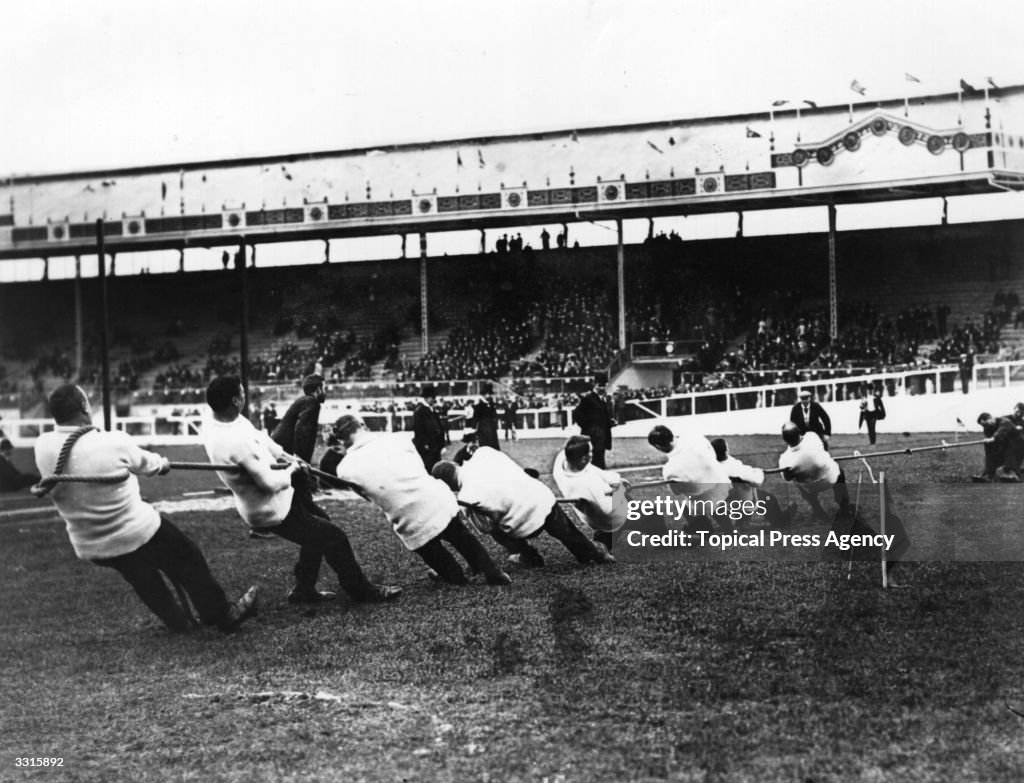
{"x": 773, "y": 510}
{"x": 1003, "y": 454}
{"x": 597, "y": 449}
{"x": 870, "y": 419}
{"x": 172, "y": 554}
{"x": 839, "y": 493}
{"x": 310, "y": 558}
{"x": 558, "y": 525}
{"x": 466, "y": 544}
{"x": 430, "y": 458}
{"x": 318, "y": 540}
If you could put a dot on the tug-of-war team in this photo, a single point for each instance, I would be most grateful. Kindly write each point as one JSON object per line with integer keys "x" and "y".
{"x": 430, "y": 502}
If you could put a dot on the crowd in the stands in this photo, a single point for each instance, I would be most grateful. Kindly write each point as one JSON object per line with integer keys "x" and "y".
{"x": 512, "y": 328}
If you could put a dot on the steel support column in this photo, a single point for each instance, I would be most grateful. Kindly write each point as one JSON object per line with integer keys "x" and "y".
{"x": 833, "y": 315}
{"x": 243, "y": 331}
{"x": 620, "y": 255}
{"x": 79, "y": 328}
{"x": 101, "y": 254}
{"x": 424, "y": 302}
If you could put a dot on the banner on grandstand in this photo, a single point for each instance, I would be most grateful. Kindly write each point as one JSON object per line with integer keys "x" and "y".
{"x": 710, "y": 184}
{"x": 315, "y": 213}
{"x": 234, "y": 217}
{"x": 424, "y": 203}
{"x": 610, "y": 191}
{"x": 58, "y": 231}
{"x": 513, "y": 198}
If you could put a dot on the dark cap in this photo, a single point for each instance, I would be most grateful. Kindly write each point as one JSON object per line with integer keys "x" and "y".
{"x": 311, "y": 382}
{"x": 6, "y": 445}
{"x": 428, "y": 390}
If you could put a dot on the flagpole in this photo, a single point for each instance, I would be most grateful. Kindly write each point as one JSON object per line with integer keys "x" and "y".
{"x": 881, "y": 495}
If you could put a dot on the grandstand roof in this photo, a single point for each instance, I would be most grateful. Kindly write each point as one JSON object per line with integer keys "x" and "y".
{"x": 942, "y": 145}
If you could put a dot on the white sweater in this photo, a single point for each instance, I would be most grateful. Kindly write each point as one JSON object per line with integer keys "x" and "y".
{"x": 747, "y": 477}
{"x": 596, "y": 488}
{"x": 695, "y": 471}
{"x": 812, "y": 466}
{"x": 103, "y": 520}
{"x": 389, "y": 471}
{"x": 237, "y": 442}
{"x": 498, "y": 485}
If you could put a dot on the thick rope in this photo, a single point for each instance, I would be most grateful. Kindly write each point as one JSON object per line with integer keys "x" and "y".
{"x": 46, "y": 485}
{"x": 49, "y": 482}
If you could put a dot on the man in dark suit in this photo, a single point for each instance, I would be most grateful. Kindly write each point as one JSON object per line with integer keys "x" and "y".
{"x": 427, "y": 429}
{"x": 872, "y": 411}
{"x": 595, "y": 421}
{"x": 809, "y": 416}
{"x": 1004, "y": 449}
{"x": 485, "y": 419}
{"x": 296, "y": 433}
{"x": 12, "y": 479}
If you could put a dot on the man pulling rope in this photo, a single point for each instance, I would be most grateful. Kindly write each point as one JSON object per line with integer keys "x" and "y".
{"x": 110, "y": 525}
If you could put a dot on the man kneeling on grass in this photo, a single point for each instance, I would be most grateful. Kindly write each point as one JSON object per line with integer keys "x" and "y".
{"x": 110, "y": 525}
{"x": 388, "y": 471}
{"x": 266, "y": 500}
{"x": 519, "y": 506}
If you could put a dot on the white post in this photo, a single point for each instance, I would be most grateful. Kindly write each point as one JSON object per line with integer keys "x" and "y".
{"x": 881, "y": 505}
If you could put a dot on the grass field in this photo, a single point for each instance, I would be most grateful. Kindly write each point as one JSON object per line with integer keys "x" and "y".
{"x": 723, "y": 671}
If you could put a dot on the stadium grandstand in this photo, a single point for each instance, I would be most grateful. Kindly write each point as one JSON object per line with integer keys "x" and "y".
{"x": 677, "y": 261}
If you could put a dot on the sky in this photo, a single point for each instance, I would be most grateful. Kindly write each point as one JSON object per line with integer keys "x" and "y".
{"x": 111, "y": 83}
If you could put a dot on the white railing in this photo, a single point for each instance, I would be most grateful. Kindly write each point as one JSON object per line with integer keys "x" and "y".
{"x": 173, "y": 429}
{"x": 931, "y": 380}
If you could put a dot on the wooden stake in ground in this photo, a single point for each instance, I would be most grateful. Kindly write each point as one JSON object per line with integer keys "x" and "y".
{"x": 881, "y": 506}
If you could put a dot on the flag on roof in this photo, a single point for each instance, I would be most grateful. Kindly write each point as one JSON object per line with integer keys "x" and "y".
{"x": 911, "y": 78}
{"x": 857, "y": 87}
{"x": 752, "y": 134}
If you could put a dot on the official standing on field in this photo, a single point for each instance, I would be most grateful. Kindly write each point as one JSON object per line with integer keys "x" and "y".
{"x": 596, "y": 422}
{"x": 427, "y": 430}
{"x": 809, "y": 416}
{"x": 296, "y": 433}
